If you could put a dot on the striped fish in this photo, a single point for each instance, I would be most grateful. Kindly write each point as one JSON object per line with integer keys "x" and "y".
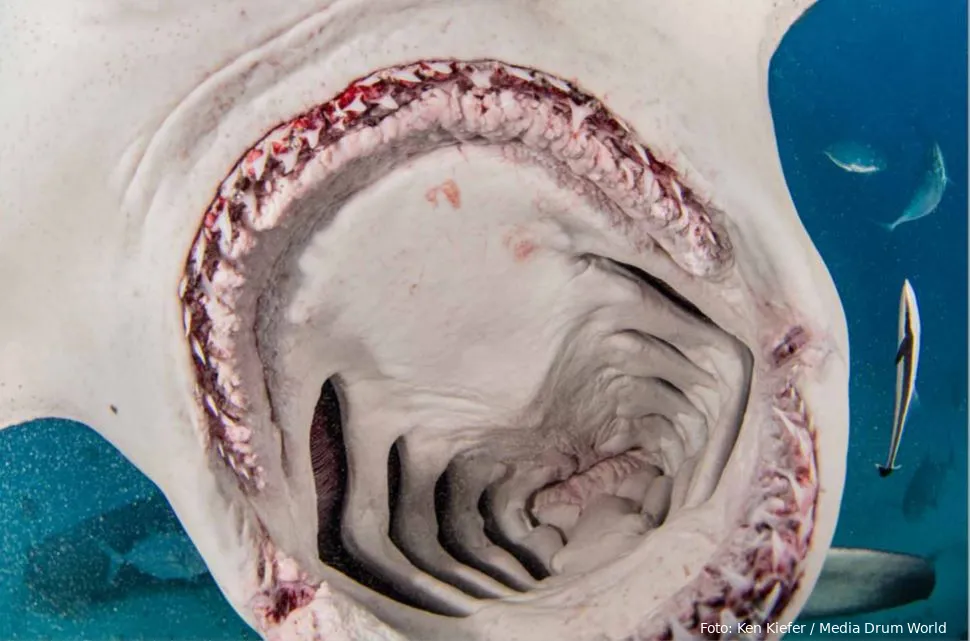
{"x": 907, "y": 360}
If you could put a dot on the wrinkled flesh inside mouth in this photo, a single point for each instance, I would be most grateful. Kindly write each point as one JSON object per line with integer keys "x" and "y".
{"x": 431, "y": 305}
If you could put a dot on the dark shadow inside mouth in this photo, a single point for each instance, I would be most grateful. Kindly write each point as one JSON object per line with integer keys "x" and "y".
{"x": 450, "y": 540}
{"x": 329, "y": 460}
{"x": 663, "y": 287}
{"x": 529, "y": 562}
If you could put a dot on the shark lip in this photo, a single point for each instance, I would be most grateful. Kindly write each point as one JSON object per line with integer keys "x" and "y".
{"x": 737, "y": 406}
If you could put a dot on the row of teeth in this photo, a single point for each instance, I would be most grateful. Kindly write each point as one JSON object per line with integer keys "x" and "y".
{"x": 283, "y": 587}
{"x": 288, "y": 606}
{"x": 488, "y": 101}
{"x": 776, "y": 534}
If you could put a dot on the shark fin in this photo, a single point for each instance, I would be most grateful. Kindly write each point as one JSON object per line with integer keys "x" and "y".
{"x": 887, "y": 226}
{"x": 915, "y": 401}
{"x": 857, "y": 581}
{"x": 115, "y": 561}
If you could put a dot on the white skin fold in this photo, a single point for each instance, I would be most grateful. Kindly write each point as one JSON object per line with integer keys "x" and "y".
{"x": 121, "y": 121}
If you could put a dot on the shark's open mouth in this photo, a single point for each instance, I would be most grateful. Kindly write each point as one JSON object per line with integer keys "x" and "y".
{"x": 483, "y": 412}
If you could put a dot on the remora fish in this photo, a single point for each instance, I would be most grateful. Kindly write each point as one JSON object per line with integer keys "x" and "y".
{"x": 907, "y": 361}
{"x": 929, "y": 194}
{"x": 164, "y": 555}
{"x": 855, "y": 158}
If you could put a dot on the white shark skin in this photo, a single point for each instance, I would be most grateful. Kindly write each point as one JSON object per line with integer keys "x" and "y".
{"x": 125, "y": 117}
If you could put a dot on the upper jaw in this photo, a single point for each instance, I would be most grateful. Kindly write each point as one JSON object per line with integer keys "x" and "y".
{"x": 156, "y": 161}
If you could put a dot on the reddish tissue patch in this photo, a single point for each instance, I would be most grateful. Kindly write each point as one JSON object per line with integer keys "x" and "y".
{"x": 795, "y": 340}
{"x": 523, "y": 249}
{"x": 448, "y": 189}
{"x": 276, "y": 604}
{"x": 520, "y": 246}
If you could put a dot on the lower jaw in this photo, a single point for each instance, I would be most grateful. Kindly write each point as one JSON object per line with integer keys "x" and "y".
{"x": 683, "y": 578}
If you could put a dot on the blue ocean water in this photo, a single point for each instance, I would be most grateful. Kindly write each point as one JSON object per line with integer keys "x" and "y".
{"x": 891, "y": 74}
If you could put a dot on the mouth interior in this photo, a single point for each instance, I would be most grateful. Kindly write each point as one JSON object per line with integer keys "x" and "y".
{"x": 474, "y": 373}
{"x": 507, "y": 409}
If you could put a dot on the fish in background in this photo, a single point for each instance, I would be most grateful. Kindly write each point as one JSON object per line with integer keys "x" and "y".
{"x": 65, "y": 571}
{"x": 928, "y": 195}
{"x": 163, "y": 555}
{"x": 858, "y": 580}
{"x": 907, "y": 363}
{"x": 855, "y": 157}
{"x": 925, "y": 486}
